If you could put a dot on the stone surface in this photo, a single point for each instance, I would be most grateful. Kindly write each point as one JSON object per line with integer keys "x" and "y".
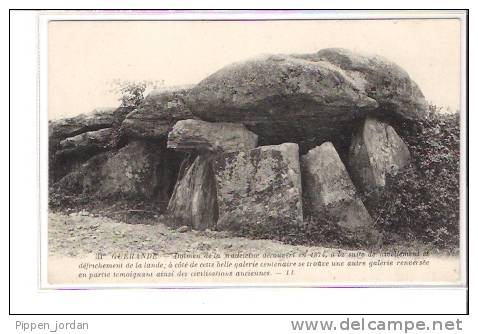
{"x": 99, "y": 118}
{"x": 306, "y": 99}
{"x": 201, "y": 136}
{"x": 260, "y": 186}
{"x": 295, "y": 98}
{"x": 193, "y": 202}
{"x": 140, "y": 170}
{"x": 155, "y": 117}
{"x": 131, "y": 171}
{"x": 385, "y": 82}
{"x": 83, "y": 178}
{"x": 225, "y": 183}
{"x": 90, "y": 142}
{"x": 328, "y": 189}
{"x": 61, "y": 162}
{"x": 281, "y": 98}
{"x": 375, "y": 151}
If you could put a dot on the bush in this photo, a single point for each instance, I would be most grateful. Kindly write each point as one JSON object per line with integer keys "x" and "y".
{"x": 132, "y": 92}
{"x": 422, "y": 202}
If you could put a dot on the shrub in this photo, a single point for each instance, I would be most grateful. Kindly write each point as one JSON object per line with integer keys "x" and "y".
{"x": 422, "y": 202}
{"x": 132, "y": 92}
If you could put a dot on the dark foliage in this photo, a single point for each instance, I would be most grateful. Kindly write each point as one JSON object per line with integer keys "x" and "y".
{"x": 421, "y": 203}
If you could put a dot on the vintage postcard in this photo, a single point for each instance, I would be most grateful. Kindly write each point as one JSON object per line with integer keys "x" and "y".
{"x": 243, "y": 148}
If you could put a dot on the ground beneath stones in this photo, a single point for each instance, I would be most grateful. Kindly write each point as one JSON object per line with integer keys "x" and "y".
{"x": 79, "y": 234}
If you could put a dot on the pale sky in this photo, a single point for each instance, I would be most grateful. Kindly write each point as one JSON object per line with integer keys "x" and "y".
{"x": 85, "y": 56}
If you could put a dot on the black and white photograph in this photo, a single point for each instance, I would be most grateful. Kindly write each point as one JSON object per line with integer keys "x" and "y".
{"x": 310, "y": 152}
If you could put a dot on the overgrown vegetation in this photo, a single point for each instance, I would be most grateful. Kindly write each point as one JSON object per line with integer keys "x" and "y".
{"x": 132, "y": 92}
{"x": 422, "y": 202}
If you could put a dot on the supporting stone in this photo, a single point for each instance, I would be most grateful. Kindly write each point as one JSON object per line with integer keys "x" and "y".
{"x": 193, "y": 202}
{"x": 376, "y": 150}
{"x": 260, "y": 186}
{"x": 328, "y": 189}
{"x": 200, "y": 136}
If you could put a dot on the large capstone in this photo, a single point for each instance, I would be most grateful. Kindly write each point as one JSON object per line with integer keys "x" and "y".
{"x": 303, "y": 98}
{"x": 260, "y": 186}
{"x": 281, "y": 98}
{"x": 376, "y": 150}
{"x": 328, "y": 189}
{"x": 310, "y": 97}
{"x": 193, "y": 202}
{"x": 201, "y": 136}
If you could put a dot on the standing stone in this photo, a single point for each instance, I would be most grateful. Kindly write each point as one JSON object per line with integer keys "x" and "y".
{"x": 329, "y": 190}
{"x": 376, "y": 150}
{"x": 203, "y": 136}
{"x": 193, "y": 202}
{"x": 260, "y": 186}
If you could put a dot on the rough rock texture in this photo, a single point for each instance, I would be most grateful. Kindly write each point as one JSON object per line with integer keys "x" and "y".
{"x": 329, "y": 190}
{"x": 281, "y": 98}
{"x": 155, "y": 117}
{"x": 193, "y": 202}
{"x": 382, "y": 80}
{"x": 68, "y": 127}
{"x": 260, "y": 186}
{"x": 200, "y": 136}
{"x": 306, "y": 97}
{"x": 137, "y": 170}
{"x": 299, "y": 100}
{"x": 84, "y": 178}
{"x": 90, "y": 142}
{"x": 376, "y": 150}
{"x": 131, "y": 171}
